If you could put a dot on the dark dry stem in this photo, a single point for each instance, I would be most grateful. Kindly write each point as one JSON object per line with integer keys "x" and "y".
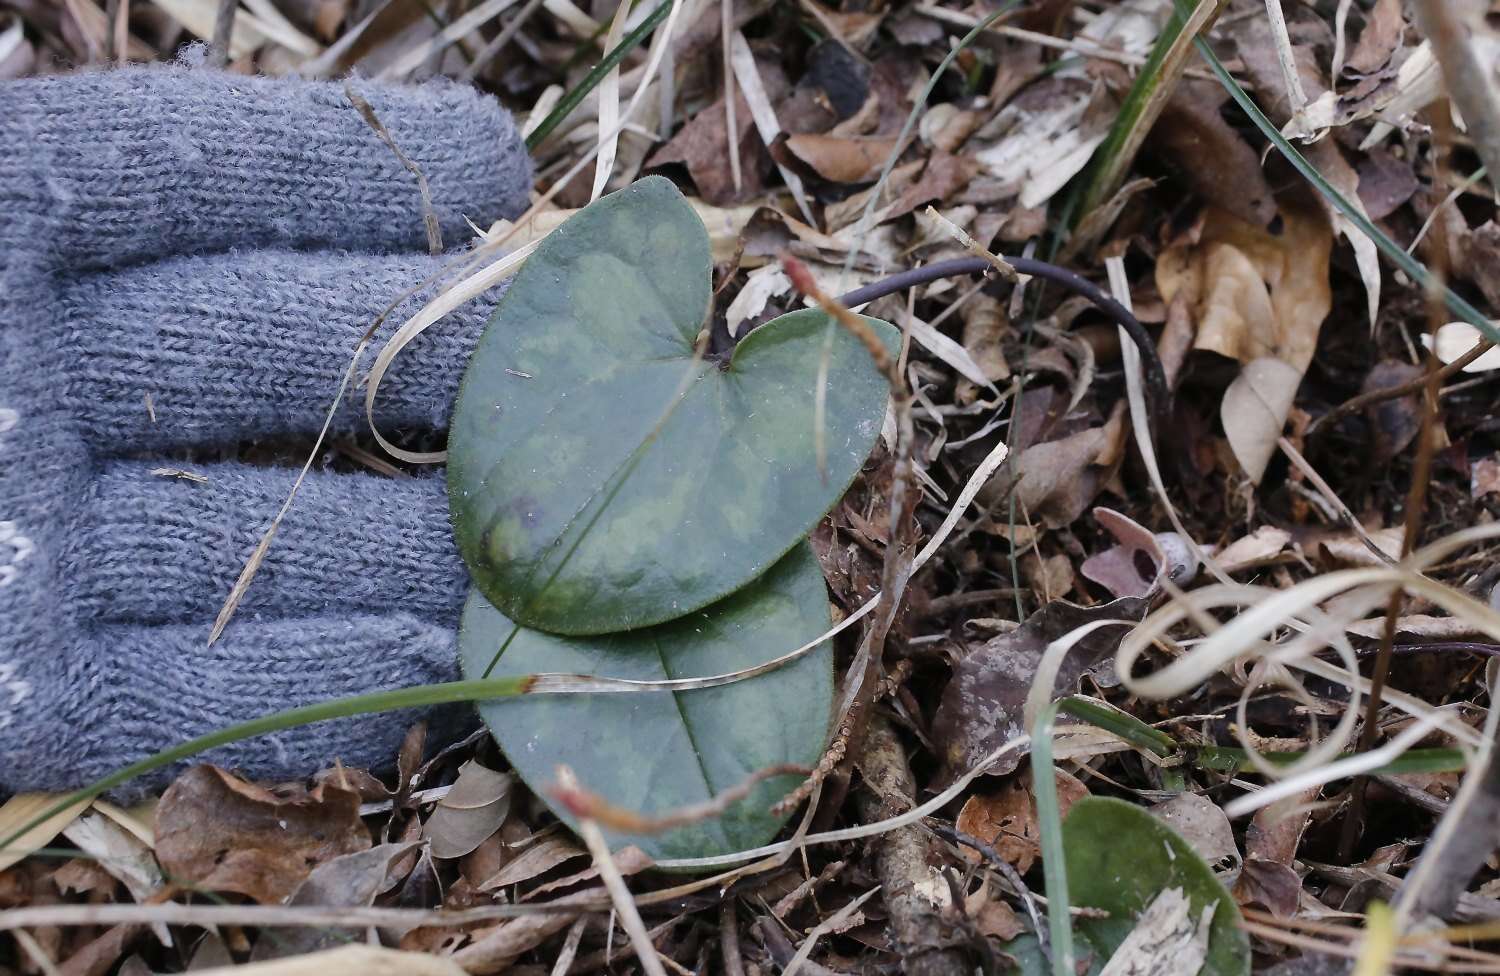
{"x": 1158, "y": 392}
{"x": 1007, "y": 871}
{"x": 1416, "y": 502}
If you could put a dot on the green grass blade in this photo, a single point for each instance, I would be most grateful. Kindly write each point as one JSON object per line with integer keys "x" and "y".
{"x": 1393, "y": 252}
{"x": 590, "y": 81}
{"x": 1223, "y": 759}
{"x": 380, "y": 701}
{"x": 1054, "y": 858}
{"x": 1120, "y": 723}
{"x": 1138, "y": 113}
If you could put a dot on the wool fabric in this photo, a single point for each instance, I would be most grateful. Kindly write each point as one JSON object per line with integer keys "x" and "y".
{"x": 187, "y": 261}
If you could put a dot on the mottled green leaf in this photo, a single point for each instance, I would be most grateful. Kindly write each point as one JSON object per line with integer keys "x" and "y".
{"x": 1120, "y": 858}
{"x": 653, "y": 752}
{"x": 600, "y": 477}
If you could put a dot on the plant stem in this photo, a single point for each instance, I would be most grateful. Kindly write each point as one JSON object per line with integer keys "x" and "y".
{"x": 590, "y": 81}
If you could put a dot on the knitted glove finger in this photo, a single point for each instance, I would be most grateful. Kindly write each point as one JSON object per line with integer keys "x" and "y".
{"x": 99, "y": 172}
{"x": 247, "y": 345}
{"x": 153, "y": 549}
{"x": 127, "y": 692}
{"x": 105, "y": 168}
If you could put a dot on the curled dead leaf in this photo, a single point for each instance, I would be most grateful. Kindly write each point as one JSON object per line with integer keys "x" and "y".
{"x": 224, "y": 834}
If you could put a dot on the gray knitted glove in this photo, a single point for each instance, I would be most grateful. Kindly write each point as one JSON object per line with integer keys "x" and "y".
{"x": 218, "y": 243}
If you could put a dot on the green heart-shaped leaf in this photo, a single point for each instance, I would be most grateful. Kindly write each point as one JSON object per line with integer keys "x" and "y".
{"x": 1120, "y": 858}
{"x": 655, "y": 751}
{"x": 600, "y": 477}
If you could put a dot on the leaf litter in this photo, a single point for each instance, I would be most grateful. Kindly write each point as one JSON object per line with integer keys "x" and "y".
{"x": 1271, "y": 313}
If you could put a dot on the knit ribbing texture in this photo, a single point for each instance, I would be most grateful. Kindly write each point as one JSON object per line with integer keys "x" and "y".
{"x": 187, "y": 259}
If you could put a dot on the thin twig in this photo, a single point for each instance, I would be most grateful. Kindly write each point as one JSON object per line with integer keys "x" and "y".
{"x": 1007, "y": 871}
{"x": 864, "y": 674}
{"x": 1416, "y": 503}
{"x": 1357, "y": 403}
{"x": 729, "y": 939}
{"x": 614, "y": 883}
{"x": 999, "y": 264}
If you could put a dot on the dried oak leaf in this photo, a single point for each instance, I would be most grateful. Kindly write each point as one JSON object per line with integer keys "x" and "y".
{"x": 223, "y": 834}
{"x": 1007, "y": 819}
{"x": 982, "y": 705}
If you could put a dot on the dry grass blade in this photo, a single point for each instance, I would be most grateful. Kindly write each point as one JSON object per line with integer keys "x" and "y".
{"x": 609, "y": 108}
{"x": 743, "y": 62}
{"x": 829, "y": 924}
{"x": 462, "y": 27}
{"x": 429, "y": 215}
{"x": 614, "y": 882}
{"x": 20, "y": 811}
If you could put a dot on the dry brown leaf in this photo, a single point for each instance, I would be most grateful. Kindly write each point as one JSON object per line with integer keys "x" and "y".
{"x": 1135, "y": 566}
{"x": 1200, "y": 822}
{"x": 981, "y": 708}
{"x": 224, "y": 834}
{"x": 1257, "y": 549}
{"x": 993, "y": 917}
{"x": 347, "y": 881}
{"x": 1057, "y": 480}
{"x": 856, "y": 159}
{"x": 1210, "y": 154}
{"x": 702, "y": 145}
{"x": 1258, "y": 294}
{"x": 1385, "y": 183}
{"x": 1254, "y": 410}
{"x": 1007, "y": 820}
{"x": 1348, "y": 549}
{"x": 1050, "y": 578}
{"x": 1394, "y": 422}
{"x": 1380, "y": 38}
{"x": 1271, "y": 843}
{"x": 534, "y": 861}
{"x": 946, "y": 126}
{"x": 474, "y": 808}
